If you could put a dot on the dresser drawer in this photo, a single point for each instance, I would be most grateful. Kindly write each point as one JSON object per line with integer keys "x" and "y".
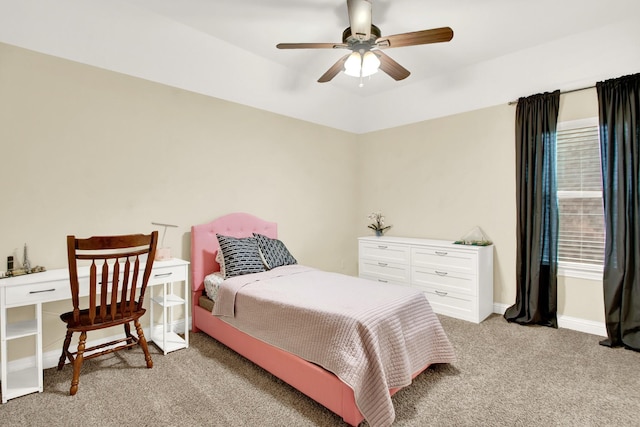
{"x": 385, "y": 252}
{"x": 445, "y": 258}
{"x": 389, "y": 271}
{"x": 38, "y": 292}
{"x": 443, "y": 280}
{"x": 383, "y": 280}
{"x": 452, "y": 304}
{"x": 162, "y": 274}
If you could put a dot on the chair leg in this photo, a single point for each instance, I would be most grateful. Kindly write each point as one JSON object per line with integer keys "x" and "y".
{"x": 127, "y": 332}
{"x": 143, "y": 343}
{"x": 65, "y": 350}
{"x": 77, "y": 364}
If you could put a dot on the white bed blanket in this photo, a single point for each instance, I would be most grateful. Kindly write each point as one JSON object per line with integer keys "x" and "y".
{"x": 373, "y": 336}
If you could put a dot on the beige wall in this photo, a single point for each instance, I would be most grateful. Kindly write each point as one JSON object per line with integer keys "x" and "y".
{"x": 440, "y": 178}
{"x": 88, "y": 152}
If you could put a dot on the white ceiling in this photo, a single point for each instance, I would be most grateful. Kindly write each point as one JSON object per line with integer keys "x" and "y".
{"x": 501, "y": 50}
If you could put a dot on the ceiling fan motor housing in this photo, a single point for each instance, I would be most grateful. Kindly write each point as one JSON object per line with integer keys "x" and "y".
{"x": 349, "y": 38}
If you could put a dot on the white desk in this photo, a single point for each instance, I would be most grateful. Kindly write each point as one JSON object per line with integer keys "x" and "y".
{"x": 38, "y": 288}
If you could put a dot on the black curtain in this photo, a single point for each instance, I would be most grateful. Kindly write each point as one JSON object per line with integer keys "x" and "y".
{"x": 537, "y": 233}
{"x": 619, "y": 105}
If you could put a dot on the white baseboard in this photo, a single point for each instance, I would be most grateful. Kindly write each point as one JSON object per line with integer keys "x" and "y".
{"x": 568, "y": 322}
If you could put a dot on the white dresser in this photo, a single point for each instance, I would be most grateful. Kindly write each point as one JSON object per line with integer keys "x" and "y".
{"x": 457, "y": 279}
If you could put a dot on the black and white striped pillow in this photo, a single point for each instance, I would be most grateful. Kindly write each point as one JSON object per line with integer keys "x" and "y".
{"x": 241, "y": 255}
{"x": 274, "y": 252}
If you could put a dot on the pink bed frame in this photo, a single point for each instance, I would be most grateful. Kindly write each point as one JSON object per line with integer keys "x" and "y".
{"x": 310, "y": 379}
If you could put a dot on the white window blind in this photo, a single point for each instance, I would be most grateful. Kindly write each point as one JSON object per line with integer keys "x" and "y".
{"x": 581, "y": 212}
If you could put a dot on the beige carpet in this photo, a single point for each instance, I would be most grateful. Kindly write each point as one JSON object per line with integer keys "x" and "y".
{"x": 506, "y": 375}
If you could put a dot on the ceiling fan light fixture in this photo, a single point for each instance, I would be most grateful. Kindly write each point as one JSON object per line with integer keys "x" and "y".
{"x": 361, "y": 64}
{"x": 370, "y": 64}
{"x": 353, "y": 65}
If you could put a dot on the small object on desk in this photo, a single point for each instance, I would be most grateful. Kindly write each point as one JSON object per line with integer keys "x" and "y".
{"x": 14, "y": 268}
{"x": 163, "y": 253}
{"x": 26, "y": 264}
{"x": 22, "y": 271}
{"x": 18, "y": 272}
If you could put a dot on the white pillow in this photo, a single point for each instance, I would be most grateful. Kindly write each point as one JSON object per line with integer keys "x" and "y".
{"x": 212, "y": 284}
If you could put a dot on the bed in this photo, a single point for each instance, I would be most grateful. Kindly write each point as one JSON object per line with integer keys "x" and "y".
{"x": 309, "y": 377}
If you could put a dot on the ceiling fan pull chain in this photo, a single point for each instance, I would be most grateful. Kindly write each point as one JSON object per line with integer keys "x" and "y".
{"x": 361, "y": 66}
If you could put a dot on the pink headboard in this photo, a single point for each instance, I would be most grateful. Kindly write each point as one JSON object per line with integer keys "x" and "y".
{"x": 204, "y": 244}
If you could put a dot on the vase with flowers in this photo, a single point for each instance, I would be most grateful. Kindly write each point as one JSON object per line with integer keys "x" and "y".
{"x": 378, "y": 223}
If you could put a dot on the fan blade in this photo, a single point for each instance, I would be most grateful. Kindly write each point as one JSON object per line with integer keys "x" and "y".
{"x": 435, "y": 35}
{"x": 334, "y": 70}
{"x": 311, "y": 46}
{"x": 360, "y": 18}
{"x": 391, "y": 67}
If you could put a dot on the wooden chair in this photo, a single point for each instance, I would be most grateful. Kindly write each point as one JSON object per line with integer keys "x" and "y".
{"x": 116, "y": 264}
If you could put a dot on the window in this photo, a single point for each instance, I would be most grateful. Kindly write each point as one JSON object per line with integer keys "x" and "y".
{"x": 581, "y": 212}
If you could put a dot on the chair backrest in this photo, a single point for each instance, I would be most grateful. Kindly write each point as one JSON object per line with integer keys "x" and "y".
{"x": 115, "y": 264}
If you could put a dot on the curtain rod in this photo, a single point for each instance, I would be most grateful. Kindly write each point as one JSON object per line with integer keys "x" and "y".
{"x": 563, "y": 92}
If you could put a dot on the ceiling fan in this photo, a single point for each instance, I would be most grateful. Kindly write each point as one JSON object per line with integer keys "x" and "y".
{"x": 365, "y": 41}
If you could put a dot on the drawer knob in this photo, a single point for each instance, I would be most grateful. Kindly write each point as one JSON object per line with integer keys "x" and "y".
{"x": 441, "y": 253}
{"x": 382, "y": 264}
{"x": 41, "y": 291}
{"x": 441, "y": 273}
{"x": 383, "y": 281}
{"x": 442, "y": 294}
{"x": 382, "y": 246}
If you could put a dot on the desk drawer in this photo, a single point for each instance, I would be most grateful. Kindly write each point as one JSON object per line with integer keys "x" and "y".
{"x": 37, "y": 292}
{"x": 161, "y": 274}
